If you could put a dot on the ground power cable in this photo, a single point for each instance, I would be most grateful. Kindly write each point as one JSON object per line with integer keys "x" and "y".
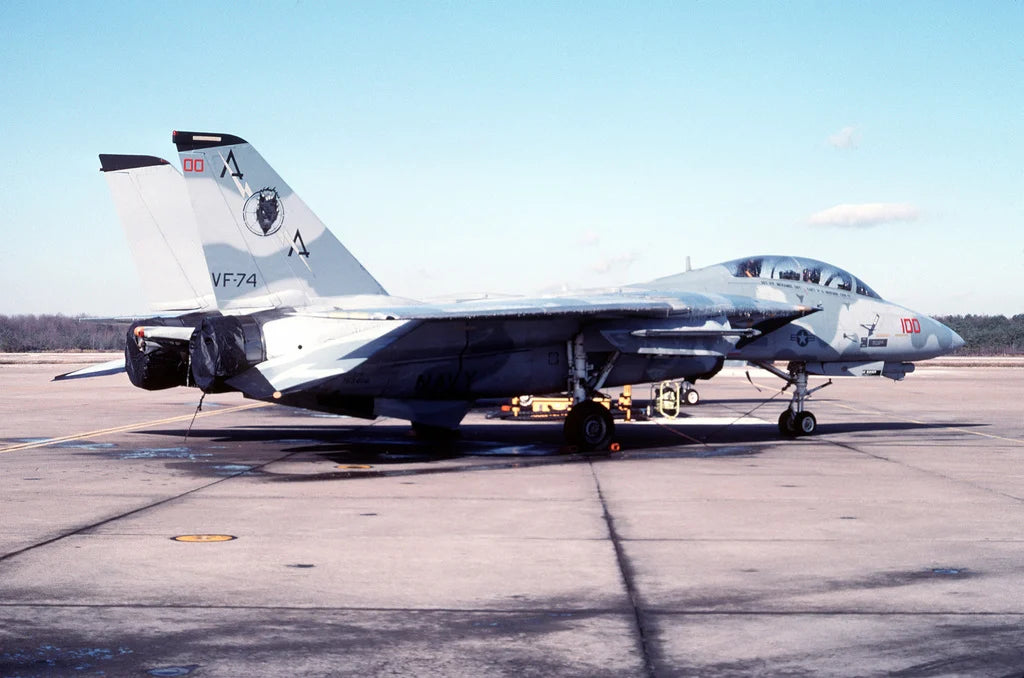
{"x": 705, "y": 440}
{"x": 746, "y": 414}
{"x": 195, "y": 414}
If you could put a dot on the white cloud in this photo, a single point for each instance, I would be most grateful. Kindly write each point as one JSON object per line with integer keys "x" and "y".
{"x": 864, "y": 214}
{"x": 844, "y": 138}
{"x": 589, "y": 239}
{"x": 617, "y": 261}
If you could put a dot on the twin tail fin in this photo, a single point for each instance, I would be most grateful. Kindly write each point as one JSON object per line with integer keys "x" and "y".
{"x": 263, "y": 246}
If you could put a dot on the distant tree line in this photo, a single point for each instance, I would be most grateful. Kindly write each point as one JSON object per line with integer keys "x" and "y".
{"x": 984, "y": 334}
{"x": 988, "y": 334}
{"x": 31, "y": 333}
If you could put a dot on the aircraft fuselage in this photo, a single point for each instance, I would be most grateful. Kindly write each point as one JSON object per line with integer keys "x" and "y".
{"x": 463, "y": 360}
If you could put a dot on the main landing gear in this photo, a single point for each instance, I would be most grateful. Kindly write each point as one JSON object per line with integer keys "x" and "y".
{"x": 588, "y": 425}
{"x": 795, "y": 420}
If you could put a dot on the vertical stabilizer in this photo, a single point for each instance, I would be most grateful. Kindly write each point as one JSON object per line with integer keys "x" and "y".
{"x": 263, "y": 245}
{"x": 157, "y": 218}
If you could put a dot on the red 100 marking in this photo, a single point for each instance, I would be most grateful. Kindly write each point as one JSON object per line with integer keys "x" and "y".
{"x": 911, "y": 325}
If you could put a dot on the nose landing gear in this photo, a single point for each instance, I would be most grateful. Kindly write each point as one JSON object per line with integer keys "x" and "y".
{"x": 796, "y": 421}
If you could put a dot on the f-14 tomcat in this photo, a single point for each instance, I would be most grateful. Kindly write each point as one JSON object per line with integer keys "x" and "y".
{"x": 299, "y": 321}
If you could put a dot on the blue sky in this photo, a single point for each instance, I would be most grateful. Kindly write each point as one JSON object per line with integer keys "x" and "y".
{"x": 522, "y": 147}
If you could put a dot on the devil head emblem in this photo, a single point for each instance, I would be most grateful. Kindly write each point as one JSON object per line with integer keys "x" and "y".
{"x": 263, "y": 212}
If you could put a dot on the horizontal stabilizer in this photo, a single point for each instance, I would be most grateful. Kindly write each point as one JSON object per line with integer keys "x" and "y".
{"x": 305, "y": 368}
{"x": 100, "y": 370}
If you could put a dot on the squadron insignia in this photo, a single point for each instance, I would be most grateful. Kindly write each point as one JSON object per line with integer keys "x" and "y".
{"x": 263, "y": 212}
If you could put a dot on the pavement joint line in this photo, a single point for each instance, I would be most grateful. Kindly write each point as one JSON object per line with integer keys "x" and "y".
{"x": 327, "y": 608}
{"x": 881, "y": 457}
{"x": 126, "y": 427}
{"x": 626, "y": 570}
{"x": 140, "y": 509}
{"x": 519, "y": 611}
{"x": 925, "y": 423}
{"x": 831, "y": 613}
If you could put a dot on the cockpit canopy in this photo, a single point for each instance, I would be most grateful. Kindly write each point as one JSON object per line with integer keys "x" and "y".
{"x": 809, "y": 271}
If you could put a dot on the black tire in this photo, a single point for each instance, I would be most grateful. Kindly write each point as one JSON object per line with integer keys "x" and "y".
{"x": 787, "y": 424}
{"x": 691, "y": 397}
{"x": 589, "y": 426}
{"x": 805, "y": 424}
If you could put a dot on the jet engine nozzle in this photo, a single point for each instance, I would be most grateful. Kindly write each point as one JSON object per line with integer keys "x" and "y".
{"x": 223, "y": 347}
{"x": 154, "y": 364}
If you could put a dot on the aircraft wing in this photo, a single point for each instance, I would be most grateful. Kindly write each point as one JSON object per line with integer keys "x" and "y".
{"x": 98, "y": 370}
{"x": 502, "y": 308}
{"x": 596, "y": 307}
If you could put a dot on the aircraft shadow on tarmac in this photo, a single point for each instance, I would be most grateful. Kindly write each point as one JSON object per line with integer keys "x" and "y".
{"x": 507, "y": 444}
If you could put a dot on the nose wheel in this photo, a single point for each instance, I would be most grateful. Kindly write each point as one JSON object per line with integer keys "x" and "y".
{"x": 796, "y": 421}
{"x": 802, "y": 424}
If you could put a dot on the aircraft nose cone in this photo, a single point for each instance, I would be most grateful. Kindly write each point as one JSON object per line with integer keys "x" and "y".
{"x": 948, "y": 339}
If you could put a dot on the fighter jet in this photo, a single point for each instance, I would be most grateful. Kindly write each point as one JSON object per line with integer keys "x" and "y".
{"x": 300, "y": 322}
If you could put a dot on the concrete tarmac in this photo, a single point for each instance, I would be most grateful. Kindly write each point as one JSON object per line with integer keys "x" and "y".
{"x": 891, "y": 543}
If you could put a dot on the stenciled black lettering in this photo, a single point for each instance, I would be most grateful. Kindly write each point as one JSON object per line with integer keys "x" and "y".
{"x": 228, "y": 163}
{"x": 302, "y": 251}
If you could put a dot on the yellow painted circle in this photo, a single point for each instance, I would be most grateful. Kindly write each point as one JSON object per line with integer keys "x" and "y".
{"x": 352, "y": 466}
{"x": 203, "y": 537}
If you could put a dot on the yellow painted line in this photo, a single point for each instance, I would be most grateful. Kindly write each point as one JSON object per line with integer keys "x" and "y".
{"x": 126, "y": 427}
{"x": 926, "y": 423}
